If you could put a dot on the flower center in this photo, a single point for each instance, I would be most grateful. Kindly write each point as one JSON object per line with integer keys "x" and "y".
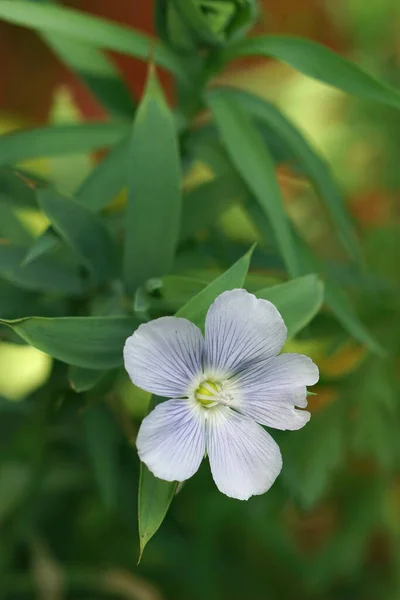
{"x": 207, "y": 393}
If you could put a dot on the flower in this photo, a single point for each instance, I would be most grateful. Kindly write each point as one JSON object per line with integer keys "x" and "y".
{"x": 221, "y": 389}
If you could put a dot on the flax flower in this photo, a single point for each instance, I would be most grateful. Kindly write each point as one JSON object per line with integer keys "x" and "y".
{"x": 221, "y": 390}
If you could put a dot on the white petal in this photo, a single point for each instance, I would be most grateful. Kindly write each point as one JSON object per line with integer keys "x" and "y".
{"x": 244, "y": 459}
{"x": 171, "y": 439}
{"x": 164, "y": 356}
{"x": 269, "y": 390}
{"x": 240, "y": 329}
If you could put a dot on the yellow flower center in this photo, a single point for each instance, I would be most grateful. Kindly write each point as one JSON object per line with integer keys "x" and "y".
{"x": 206, "y": 393}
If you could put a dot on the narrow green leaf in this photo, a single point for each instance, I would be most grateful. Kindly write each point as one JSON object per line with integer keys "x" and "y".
{"x": 102, "y": 437}
{"x": 82, "y": 380}
{"x": 11, "y": 228}
{"x": 18, "y": 187}
{"x": 49, "y": 274}
{"x": 89, "y": 342}
{"x": 154, "y": 201}
{"x": 196, "y": 309}
{"x": 58, "y": 140}
{"x": 173, "y": 291}
{"x": 298, "y": 301}
{"x": 45, "y": 243}
{"x": 102, "y": 185}
{"x": 96, "y": 70}
{"x": 83, "y": 231}
{"x": 316, "y": 61}
{"x": 95, "y": 31}
{"x": 252, "y": 160}
{"x": 341, "y": 307}
{"x": 335, "y": 298}
{"x": 107, "y": 179}
{"x": 310, "y": 161}
{"x": 155, "y": 497}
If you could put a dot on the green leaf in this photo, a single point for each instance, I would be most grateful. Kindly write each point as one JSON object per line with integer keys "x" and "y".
{"x": 312, "y": 164}
{"x": 11, "y": 228}
{"x": 298, "y": 301}
{"x": 196, "y": 309}
{"x": 106, "y": 180}
{"x": 58, "y": 140}
{"x": 90, "y": 30}
{"x": 252, "y": 160}
{"x": 155, "y": 497}
{"x": 173, "y": 291}
{"x": 18, "y": 188}
{"x": 154, "y": 201}
{"x": 341, "y": 307}
{"x": 46, "y": 242}
{"x": 316, "y": 61}
{"x": 82, "y": 380}
{"x": 83, "y": 231}
{"x": 89, "y": 342}
{"x": 96, "y": 70}
{"x": 335, "y": 298}
{"x": 49, "y": 274}
{"x": 102, "y": 185}
{"x": 311, "y": 454}
{"x": 102, "y": 437}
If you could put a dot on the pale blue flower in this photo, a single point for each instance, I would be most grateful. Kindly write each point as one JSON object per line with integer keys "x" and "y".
{"x": 221, "y": 389}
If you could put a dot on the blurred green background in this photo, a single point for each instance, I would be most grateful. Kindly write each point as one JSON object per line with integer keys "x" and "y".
{"x": 329, "y": 529}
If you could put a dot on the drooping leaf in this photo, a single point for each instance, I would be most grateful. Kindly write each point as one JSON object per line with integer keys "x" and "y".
{"x": 298, "y": 301}
{"x": 252, "y": 160}
{"x": 83, "y": 231}
{"x": 58, "y": 140}
{"x": 102, "y": 437}
{"x": 89, "y": 342}
{"x": 335, "y": 297}
{"x": 154, "y": 201}
{"x": 91, "y": 30}
{"x": 196, "y": 309}
{"x": 316, "y": 61}
{"x": 311, "y": 162}
{"x": 49, "y": 274}
{"x": 82, "y": 379}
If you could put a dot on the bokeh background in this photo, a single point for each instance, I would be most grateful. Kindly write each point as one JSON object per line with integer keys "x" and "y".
{"x": 330, "y": 529}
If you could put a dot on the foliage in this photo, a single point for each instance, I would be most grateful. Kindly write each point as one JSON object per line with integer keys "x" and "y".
{"x": 144, "y": 236}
